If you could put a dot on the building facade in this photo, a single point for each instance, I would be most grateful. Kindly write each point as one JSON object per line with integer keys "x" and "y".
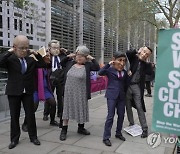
{"x": 28, "y": 19}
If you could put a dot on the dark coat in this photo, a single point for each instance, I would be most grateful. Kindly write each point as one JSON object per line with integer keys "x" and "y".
{"x": 67, "y": 63}
{"x": 57, "y": 77}
{"x": 17, "y": 81}
{"x": 145, "y": 68}
{"x": 116, "y": 86}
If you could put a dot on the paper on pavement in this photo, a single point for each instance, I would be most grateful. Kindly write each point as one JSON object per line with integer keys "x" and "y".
{"x": 134, "y": 130}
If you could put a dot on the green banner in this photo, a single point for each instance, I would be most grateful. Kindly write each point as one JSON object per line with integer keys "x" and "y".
{"x": 166, "y": 109}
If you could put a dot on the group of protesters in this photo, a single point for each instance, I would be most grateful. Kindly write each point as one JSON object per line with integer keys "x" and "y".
{"x": 33, "y": 78}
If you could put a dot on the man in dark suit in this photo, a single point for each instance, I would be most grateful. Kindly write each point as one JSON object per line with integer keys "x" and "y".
{"x": 115, "y": 94}
{"x": 57, "y": 54}
{"x": 20, "y": 86}
{"x": 135, "y": 93}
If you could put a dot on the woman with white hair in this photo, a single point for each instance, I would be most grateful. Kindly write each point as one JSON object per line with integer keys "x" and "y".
{"x": 77, "y": 88}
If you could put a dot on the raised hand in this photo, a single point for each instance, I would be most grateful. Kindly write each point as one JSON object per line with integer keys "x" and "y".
{"x": 90, "y": 57}
{"x": 71, "y": 55}
{"x": 111, "y": 62}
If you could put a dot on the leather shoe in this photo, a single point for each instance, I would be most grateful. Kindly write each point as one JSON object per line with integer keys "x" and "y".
{"x": 45, "y": 118}
{"x": 24, "y": 128}
{"x": 144, "y": 134}
{"x": 54, "y": 123}
{"x": 120, "y": 137}
{"x": 83, "y": 131}
{"x": 107, "y": 142}
{"x": 12, "y": 145}
{"x": 63, "y": 135}
{"x": 36, "y": 142}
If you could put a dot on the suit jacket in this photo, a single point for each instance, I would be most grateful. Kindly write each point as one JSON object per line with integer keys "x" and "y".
{"x": 57, "y": 74}
{"x": 17, "y": 81}
{"x": 116, "y": 86}
{"x": 67, "y": 63}
{"x": 145, "y": 68}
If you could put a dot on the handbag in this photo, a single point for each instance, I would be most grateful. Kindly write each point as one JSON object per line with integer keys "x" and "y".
{"x": 57, "y": 77}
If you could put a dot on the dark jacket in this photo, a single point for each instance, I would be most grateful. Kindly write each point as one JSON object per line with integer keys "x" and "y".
{"x": 145, "y": 68}
{"x": 67, "y": 63}
{"x": 57, "y": 77}
{"x": 17, "y": 81}
{"x": 116, "y": 86}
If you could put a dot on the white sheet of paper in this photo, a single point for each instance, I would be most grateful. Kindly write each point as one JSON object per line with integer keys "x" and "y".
{"x": 134, "y": 130}
{"x": 42, "y": 51}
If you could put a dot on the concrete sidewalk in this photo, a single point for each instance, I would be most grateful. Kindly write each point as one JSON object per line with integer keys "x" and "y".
{"x": 79, "y": 144}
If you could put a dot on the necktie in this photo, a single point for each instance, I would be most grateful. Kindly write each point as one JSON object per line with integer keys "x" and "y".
{"x": 23, "y": 67}
{"x": 119, "y": 75}
{"x": 56, "y": 62}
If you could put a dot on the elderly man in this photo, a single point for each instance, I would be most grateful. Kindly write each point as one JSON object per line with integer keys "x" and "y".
{"x": 20, "y": 86}
{"x": 57, "y": 54}
{"x": 135, "y": 93}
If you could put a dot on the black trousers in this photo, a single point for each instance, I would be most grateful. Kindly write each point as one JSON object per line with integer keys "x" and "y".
{"x": 15, "y": 108}
{"x": 52, "y": 109}
{"x": 148, "y": 87}
{"x": 60, "y": 94}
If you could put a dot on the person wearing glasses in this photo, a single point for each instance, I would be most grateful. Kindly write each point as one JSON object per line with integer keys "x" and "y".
{"x": 77, "y": 70}
{"x": 20, "y": 86}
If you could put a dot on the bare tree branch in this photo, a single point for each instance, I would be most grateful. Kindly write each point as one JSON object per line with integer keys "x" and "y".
{"x": 177, "y": 18}
{"x": 162, "y": 9}
{"x": 174, "y": 4}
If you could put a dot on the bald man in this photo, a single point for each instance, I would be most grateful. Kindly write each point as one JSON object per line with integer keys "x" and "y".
{"x": 20, "y": 86}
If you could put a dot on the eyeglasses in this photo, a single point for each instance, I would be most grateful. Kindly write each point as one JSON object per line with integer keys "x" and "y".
{"x": 55, "y": 48}
{"x": 23, "y": 48}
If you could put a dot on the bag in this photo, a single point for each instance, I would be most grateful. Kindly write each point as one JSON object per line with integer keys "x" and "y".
{"x": 57, "y": 77}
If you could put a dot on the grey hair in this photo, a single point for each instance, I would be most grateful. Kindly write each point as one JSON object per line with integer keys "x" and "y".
{"x": 53, "y": 41}
{"x": 82, "y": 49}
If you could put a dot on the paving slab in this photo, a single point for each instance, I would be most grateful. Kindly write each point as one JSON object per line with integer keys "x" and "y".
{"x": 4, "y": 127}
{"x": 138, "y": 148}
{"x": 4, "y": 141}
{"x": 40, "y": 132}
{"x": 53, "y": 136}
{"x": 70, "y": 149}
{"x": 95, "y": 142}
{"x": 26, "y": 147}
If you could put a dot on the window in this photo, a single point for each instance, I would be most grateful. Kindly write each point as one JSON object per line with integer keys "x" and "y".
{"x": 8, "y": 23}
{"x": 1, "y": 42}
{"x": 8, "y": 35}
{"x": 27, "y": 31}
{"x": 30, "y": 46}
{"x": 17, "y": 14}
{"x": 7, "y": 11}
{"x": 1, "y": 34}
{"x": 20, "y": 25}
{"x": 31, "y": 28}
{"x": 0, "y": 9}
{"x": 8, "y": 43}
{"x": 15, "y": 24}
{"x": 27, "y": 24}
{"x": 30, "y": 38}
{"x": 1, "y": 25}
